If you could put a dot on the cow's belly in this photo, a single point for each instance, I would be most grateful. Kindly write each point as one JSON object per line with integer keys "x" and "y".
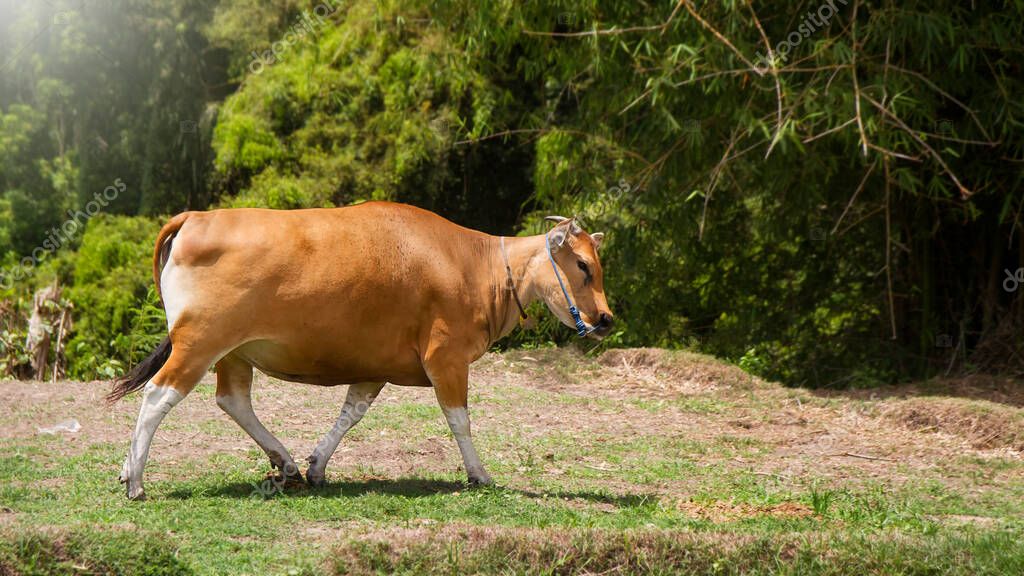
{"x": 333, "y": 364}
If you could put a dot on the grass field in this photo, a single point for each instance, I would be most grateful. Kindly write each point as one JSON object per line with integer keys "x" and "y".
{"x": 639, "y": 461}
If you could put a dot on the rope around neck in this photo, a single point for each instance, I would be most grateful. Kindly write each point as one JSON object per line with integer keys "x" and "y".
{"x": 581, "y": 326}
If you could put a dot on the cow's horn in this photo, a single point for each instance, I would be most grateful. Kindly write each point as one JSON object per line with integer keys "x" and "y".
{"x": 556, "y": 219}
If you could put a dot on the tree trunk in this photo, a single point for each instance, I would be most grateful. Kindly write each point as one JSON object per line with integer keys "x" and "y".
{"x": 37, "y": 344}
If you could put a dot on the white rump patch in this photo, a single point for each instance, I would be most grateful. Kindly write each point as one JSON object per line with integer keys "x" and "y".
{"x": 174, "y": 288}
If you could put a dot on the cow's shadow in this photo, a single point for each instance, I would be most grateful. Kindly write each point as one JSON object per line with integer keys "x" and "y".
{"x": 410, "y": 487}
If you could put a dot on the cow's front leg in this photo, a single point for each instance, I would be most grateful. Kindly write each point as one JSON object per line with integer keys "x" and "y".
{"x": 357, "y": 402}
{"x": 451, "y": 384}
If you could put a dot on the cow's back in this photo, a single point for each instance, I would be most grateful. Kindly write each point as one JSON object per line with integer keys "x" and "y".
{"x": 322, "y": 291}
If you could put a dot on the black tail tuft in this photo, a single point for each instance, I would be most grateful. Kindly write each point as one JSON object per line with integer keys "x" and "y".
{"x": 141, "y": 373}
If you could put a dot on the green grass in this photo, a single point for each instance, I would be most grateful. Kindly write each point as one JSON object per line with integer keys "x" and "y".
{"x": 75, "y": 552}
{"x": 571, "y": 501}
{"x": 210, "y": 519}
{"x": 655, "y": 552}
{"x": 694, "y": 404}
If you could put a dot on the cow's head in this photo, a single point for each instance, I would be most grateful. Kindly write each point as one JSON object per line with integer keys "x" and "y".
{"x": 575, "y": 254}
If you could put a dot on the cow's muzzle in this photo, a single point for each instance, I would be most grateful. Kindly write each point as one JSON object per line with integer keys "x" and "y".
{"x": 604, "y": 324}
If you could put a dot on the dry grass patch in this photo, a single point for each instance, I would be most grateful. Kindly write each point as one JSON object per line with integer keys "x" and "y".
{"x": 984, "y": 425}
{"x": 720, "y": 511}
{"x": 674, "y": 373}
{"x": 463, "y": 549}
{"x": 998, "y": 389}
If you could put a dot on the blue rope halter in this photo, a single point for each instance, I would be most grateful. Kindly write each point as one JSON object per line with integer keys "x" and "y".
{"x": 581, "y": 326}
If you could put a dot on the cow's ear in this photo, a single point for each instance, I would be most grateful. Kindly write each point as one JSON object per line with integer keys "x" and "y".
{"x": 574, "y": 226}
{"x": 557, "y": 237}
{"x": 598, "y": 238}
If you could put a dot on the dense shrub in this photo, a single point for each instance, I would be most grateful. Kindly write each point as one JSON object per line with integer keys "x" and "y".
{"x": 845, "y": 213}
{"x": 111, "y": 287}
{"x": 373, "y": 108}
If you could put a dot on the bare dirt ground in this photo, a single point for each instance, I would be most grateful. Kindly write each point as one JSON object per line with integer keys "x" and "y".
{"x": 624, "y": 395}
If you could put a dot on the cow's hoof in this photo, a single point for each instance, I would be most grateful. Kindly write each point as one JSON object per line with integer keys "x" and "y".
{"x": 483, "y": 480}
{"x": 136, "y": 493}
{"x": 315, "y": 480}
{"x": 292, "y": 479}
{"x": 315, "y": 476}
{"x": 288, "y": 475}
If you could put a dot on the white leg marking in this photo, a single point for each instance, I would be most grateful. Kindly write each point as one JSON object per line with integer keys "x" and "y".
{"x": 157, "y": 401}
{"x": 239, "y": 408}
{"x": 357, "y": 402}
{"x": 458, "y": 421}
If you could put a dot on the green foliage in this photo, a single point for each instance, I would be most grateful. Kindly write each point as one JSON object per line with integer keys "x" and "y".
{"x": 111, "y": 290}
{"x": 118, "y": 90}
{"x": 743, "y": 205}
{"x": 761, "y": 235}
{"x": 34, "y": 189}
{"x": 823, "y": 212}
{"x": 242, "y": 27}
{"x": 14, "y": 358}
{"x": 244, "y": 144}
{"x": 372, "y": 108}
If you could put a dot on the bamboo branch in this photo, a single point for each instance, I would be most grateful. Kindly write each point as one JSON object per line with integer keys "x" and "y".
{"x": 888, "y": 152}
{"x": 721, "y": 38}
{"x": 775, "y": 77}
{"x": 888, "y": 246}
{"x": 859, "y": 220}
{"x": 610, "y": 31}
{"x": 830, "y": 131}
{"x": 714, "y": 181}
{"x": 965, "y": 193}
{"x": 856, "y": 85}
{"x": 949, "y": 96}
{"x": 542, "y": 131}
{"x": 960, "y": 140}
{"x": 854, "y": 197}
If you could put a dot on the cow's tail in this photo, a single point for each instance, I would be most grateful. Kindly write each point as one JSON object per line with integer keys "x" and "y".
{"x": 163, "y": 246}
{"x": 145, "y": 370}
{"x": 141, "y": 373}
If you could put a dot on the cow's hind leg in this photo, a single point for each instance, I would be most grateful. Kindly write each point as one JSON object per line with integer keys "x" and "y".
{"x": 451, "y": 385}
{"x": 357, "y": 402}
{"x": 234, "y": 385}
{"x": 175, "y": 379}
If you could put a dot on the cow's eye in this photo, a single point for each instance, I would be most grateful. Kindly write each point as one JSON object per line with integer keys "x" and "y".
{"x": 583, "y": 267}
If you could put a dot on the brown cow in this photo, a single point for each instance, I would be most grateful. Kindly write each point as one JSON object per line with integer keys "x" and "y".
{"x": 362, "y": 295}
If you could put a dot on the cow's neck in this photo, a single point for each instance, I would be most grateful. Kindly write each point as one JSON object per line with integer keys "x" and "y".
{"x": 525, "y": 254}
